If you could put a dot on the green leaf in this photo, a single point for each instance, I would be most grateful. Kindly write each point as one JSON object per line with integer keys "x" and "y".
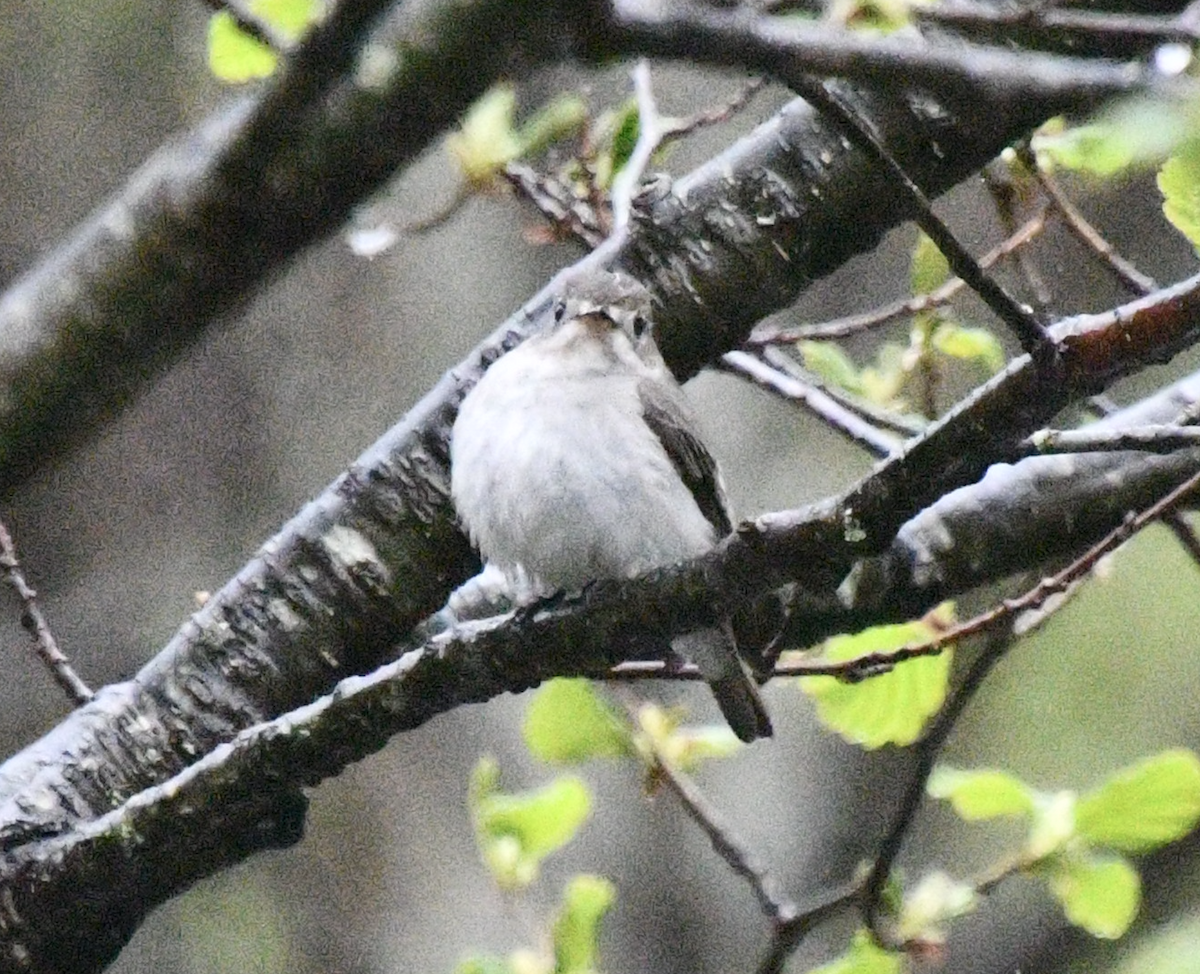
{"x": 1179, "y": 183}
{"x": 682, "y": 746}
{"x": 883, "y": 382}
{"x": 887, "y": 709}
{"x": 930, "y": 269}
{"x": 577, "y": 929}
{"x": 1144, "y": 806}
{"x": 486, "y": 141}
{"x": 831, "y": 364}
{"x": 567, "y": 723}
{"x": 563, "y": 117}
{"x": 1101, "y": 894}
{"x": 978, "y": 795}
{"x": 236, "y": 57}
{"x": 969, "y": 344}
{"x": 625, "y": 135}
{"x": 864, "y": 956}
{"x": 517, "y": 831}
{"x": 291, "y": 18}
{"x": 1132, "y": 134}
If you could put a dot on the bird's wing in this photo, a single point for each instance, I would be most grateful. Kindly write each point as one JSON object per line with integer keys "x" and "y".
{"x": 669, "y": 418}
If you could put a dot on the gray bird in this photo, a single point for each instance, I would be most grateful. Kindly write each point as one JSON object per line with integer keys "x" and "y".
{"x": 576, "y": 458}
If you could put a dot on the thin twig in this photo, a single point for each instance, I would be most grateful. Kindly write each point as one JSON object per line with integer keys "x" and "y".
{"x": 1174, "y": 520}
{"x": 927, "y": 751}
{"x": 790, "y": 934}
{"x": 649, "y": 138}
{"x": 1185, "y": 534}
{"x": 1030, "y": 333}
{"x": 568, "y": 214}
{"x": 836, "y": 416}
{"x": 901, "y": 424}
{"x": 1078, "y": 224}
{"x": 854, "y": 324}
{"x": 931, "y": 743}
{"x": 1005, "y": 190}
{"x": 724, "y": 841}
{"x": 1105, "y": 27}
{"x": 674, "y": 129}
{"x": 1155, "y": 438}
{"x": 35, "y": 624}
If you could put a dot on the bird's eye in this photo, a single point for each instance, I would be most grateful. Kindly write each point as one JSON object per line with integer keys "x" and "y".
{"x": 560, "y": 309}
{"x": 641, "y": 325}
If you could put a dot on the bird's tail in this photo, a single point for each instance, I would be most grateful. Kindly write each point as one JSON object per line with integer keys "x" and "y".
{"x": 729, "y": 678}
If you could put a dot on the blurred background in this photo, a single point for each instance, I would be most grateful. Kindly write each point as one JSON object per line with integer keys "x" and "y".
{"x": 219, "y": 451}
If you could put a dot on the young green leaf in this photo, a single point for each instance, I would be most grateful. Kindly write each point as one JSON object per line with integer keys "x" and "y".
{"x": 517, "y": 831}
{"x": 977, "y": 795}
{"x": 1101, "y": 894}
{"x": 929, "y": 269}
{"x": 236, "y": 57}
{"x": 1053, "y": 824}
{"x": 831, "y": 364}
{"x": 486, "y": 141}
{"x": 1179, "y": 183}
{"x": 564, "y": 116}
{"x": 970, "y": 345}
{"x": 1134, "y": 133}
{"x": 1144, "y": 806}
{"x": 863, "y": 956}
{"x": 887, "y": 709}
{"x": 577, "y": 929}
{"x": 567, "y": 723}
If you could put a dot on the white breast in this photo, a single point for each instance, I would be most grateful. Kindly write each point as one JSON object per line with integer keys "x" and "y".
{"x": 558, "y": 479}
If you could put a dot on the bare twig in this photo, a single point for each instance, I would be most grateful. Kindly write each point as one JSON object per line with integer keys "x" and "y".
{"x": 1030, "y": 332}
{"x": 927, "y": 751}
{"x": 790, "y": 934}
{"x": 568, "y": 213}
{"x": 935, "y": 737}
{"x": 35, "y": 623}
{"x": 1113, "y": 30}
{"x": 1158, "y": 438}
{"x": 724, "y": 840}
{"x": 650, "y": 135}
{"x": 820, "y": 403}
{"x": 1004, "y": 185}
{"x": 1185, "y": 534}
{"x": 1078, "y": 224}
{"x": 854, "y": 324}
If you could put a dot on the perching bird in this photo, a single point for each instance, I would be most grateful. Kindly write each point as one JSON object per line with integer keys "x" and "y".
{"x": 576, "y": 458}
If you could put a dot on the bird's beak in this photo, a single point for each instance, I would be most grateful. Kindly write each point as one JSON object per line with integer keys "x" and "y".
{"x": 597, "y": 324}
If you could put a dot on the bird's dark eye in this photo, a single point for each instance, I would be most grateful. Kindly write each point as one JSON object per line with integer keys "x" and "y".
{"x": 641, "y": 325}
{"x": 560, "y": 309}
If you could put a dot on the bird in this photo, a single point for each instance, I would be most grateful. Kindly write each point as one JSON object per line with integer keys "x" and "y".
{"x": 576, "y": 457}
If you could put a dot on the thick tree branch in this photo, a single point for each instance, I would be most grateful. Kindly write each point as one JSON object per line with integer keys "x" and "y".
{"x": 751, "y": 214}
{"x": 212, "y": 215}
{"x": 609, "y": 622}
{"x": 216, "y": 212}
{"x": 353, "y": 572}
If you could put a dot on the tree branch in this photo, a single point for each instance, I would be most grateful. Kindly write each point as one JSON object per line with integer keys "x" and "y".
{"x": 355, "y": 570}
